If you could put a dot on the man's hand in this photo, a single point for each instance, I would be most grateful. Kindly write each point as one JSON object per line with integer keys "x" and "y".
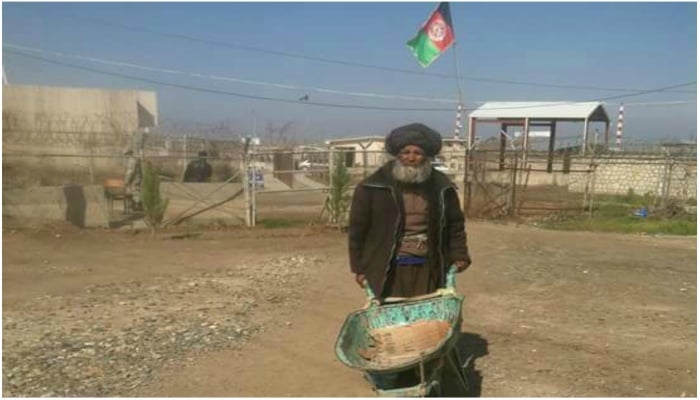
{"x": 360, "y": 279}
{"x": 461, "y": 265}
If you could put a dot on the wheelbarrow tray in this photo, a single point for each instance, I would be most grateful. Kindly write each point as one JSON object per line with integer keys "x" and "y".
{"x": 396, "y": 337}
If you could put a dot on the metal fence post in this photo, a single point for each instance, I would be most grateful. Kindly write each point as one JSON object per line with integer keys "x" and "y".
{"x": 246, "y": 183}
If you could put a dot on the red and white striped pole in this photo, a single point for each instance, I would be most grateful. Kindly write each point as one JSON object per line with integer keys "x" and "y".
{"x": 620, "y": 123}
{"x": 458, "y": 121}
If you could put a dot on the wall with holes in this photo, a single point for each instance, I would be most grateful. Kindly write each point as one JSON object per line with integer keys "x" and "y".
{"x": 653, "y": 175}
{"x": 672, "y": 176}
{"x": 658, "y": 176}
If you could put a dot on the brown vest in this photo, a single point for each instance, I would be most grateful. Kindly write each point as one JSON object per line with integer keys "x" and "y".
{"x": 416, "y": 230}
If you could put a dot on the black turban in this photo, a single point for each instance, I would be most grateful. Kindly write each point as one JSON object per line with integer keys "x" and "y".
{"x": 416, "y": 134}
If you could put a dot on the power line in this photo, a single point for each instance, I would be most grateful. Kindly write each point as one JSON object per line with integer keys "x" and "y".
{"x": 222, "y": 92}
{"x": 320, "y": 104}
{"x": 232, "y": 79}
{"x": 343, "y": 62}
{"x": 272, "y": 84}
{"x": 642, "y": 92}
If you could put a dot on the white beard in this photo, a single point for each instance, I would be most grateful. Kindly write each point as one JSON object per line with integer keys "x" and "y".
{"x": 407, "y": 174}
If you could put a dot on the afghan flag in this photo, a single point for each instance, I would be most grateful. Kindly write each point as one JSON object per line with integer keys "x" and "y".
{"x": 434, "y": 37}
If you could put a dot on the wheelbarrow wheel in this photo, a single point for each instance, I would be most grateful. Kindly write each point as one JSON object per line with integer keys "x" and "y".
{"x": 459, "y": 384}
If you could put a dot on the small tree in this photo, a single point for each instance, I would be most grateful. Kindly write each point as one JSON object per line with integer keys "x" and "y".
{"x": 338, "y": 200}
{"x": 153, "y": 206}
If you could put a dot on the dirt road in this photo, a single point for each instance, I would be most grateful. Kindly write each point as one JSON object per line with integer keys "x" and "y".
{"x": 256, "y": 313}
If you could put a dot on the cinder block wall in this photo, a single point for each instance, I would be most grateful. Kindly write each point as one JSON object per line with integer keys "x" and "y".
{"x": 614, "y": 175}
{"x": 646, "y": 175}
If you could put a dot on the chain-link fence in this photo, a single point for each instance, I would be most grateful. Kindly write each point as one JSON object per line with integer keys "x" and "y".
{"x": 284, "y": 183}
{"x": 514, "y": 184}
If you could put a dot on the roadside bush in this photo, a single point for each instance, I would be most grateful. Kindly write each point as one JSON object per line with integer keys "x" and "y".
{"x": 153, "y": 205}
{"x": 339, "y": 196}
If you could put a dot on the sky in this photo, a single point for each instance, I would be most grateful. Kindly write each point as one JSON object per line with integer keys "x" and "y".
{"x": 247, "y": 65}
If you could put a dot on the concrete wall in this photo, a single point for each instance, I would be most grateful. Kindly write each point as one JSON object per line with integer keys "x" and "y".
{"x": 63, "y": 109}
{"x": 86, "y": 206}
{"x": 83, "y": 206}
{"x": 87, "y": 128}
{"x": 616, "y": 175}
{"x": 654, "y": 176}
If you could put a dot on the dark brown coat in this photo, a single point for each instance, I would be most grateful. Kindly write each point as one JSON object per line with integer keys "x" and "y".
{"x": 376, "y": 226}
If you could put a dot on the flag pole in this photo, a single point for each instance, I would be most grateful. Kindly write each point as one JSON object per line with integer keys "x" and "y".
{"x": 458, "y": 78}
{"x": 466, "y": 183}
{"x": 466, "y": 188}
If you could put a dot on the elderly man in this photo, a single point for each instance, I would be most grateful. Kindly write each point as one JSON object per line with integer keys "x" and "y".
{"x": 406, "y": 225}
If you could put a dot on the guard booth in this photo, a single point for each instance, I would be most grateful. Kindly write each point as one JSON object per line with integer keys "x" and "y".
{"x": 503, "y": 172}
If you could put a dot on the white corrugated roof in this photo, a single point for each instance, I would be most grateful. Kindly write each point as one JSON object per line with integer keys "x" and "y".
{"x": 537, "y": 109}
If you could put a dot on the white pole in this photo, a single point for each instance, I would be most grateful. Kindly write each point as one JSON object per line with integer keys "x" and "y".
{"x": 620, "y": 124}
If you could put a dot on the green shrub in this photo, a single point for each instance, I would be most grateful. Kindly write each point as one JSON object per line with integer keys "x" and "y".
{"x": 153, "y": 205}
{"x": 339, "y": 196}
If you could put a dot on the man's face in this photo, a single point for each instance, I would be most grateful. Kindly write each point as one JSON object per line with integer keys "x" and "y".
{"x": 411, "y": 156}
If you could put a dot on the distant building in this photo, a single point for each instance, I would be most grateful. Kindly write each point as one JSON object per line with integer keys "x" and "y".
{"x": 369, "y": 151}
{"x": 306, "y": 157}
{"x": 366, "y": 151}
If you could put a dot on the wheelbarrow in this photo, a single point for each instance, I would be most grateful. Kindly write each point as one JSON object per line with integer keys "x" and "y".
{"x": 416, "y": 334}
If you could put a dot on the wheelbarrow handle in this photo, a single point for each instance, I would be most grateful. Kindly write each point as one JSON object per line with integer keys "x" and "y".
{"x": 450, "y": 279}
{"x": 368, "y": 290}
{"x": 372, "y": 299}
{"x": 449, "y": 285}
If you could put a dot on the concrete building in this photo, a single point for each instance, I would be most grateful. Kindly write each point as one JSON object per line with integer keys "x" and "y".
{"x": 368, "y": 151}
{"x": 365, "y": 151}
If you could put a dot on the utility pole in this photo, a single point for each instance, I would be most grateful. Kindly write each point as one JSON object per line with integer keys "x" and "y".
{"x": 246, "y": 181}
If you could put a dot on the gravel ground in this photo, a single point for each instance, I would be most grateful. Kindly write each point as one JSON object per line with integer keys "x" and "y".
{"x": 108, "y": 339}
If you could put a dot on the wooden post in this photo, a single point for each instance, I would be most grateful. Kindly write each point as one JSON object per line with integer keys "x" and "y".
{"x": 513, "y": 183}
{"x": 584, "y": 142}
{"x": 467, "y": 189}
{"x": 184, "y": 154}
{"x": 550, "y": 153}
{"x": 594, "y": 167}
{"x": 526, "y": 145}
{"x": 502, "y": 154}
{"x": 331, "y": 167}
